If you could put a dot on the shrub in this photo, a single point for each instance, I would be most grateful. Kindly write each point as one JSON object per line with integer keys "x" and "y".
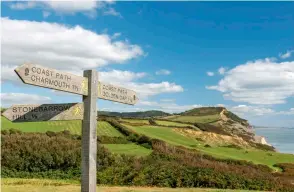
{"x": 262, "y": 146}
{"x": 152, "y": 121}
{"x": 233, "y": 146}
{"x": 112, "y": 140}
{"x": 33, "y": 155}
{"x": 211, "y": 128}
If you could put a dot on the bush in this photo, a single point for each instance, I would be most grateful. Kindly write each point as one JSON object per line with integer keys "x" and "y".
{"x": 262, "y": 146}
{"x": 152, "y": 121}
{"x": 32, "y": 155}
{"x": 211, "y": 128}
{"x": 112, "y": 140}
{"x": 233, "y": 146}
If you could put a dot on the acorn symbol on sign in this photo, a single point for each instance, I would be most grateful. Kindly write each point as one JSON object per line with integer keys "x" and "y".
{"x": 27, "y": 71}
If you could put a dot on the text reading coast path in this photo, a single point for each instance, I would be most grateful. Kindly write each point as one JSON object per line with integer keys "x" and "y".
{"x": 62, "y": 81}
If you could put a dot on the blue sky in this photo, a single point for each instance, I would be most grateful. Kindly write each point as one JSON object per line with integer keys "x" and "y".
{"x": 176, "y": 55}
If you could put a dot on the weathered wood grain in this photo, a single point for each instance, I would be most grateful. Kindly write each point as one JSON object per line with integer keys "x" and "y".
{"x": 89, "y": 136}
{"x": 44, "y": 112}
{"x": 51, "y": 78}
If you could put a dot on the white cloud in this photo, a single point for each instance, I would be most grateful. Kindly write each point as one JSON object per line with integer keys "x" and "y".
{"x": 210, "y": 73}
{"x": 128, "y": 79}
{"x": 258, "y": 82}
{"x": 23, "y": 5}
{"x": 166, "y": 107}
{"x": 251, "y": 110}
{"x": 46, "y": 14}
{"x": 64, "y": 48}
{"x": 61, "y": 47}
{"x": 88, "y": 7}
{"x": 116, "y": 76}
{"x": 8, "y": 99}
{"x": 167, "y": 100}
{"x": 286, "y": 55}
{"x": 150, "y": 89}
{"x": 222, "y": 70}
{"x": 112, "y": 11}
{"x": 163, "y": 72}
{"x": 288, "y": 112}
{"x": 116, "y": 35}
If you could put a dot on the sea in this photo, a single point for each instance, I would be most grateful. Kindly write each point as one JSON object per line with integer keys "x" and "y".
{"x": 280, "y": 138}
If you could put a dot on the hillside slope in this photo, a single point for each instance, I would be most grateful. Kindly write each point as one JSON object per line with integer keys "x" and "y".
{"x": 141, "y": 114}
{"x": 218, "y": 120}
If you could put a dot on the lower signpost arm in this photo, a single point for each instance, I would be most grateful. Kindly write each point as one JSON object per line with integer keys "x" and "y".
{"x": 89, "y": 136}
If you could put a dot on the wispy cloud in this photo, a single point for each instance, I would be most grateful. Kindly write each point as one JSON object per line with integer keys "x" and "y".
{"x": 113, "y": 12}
{"x": 9, "y": 99}
{"x": 222, "y": 70}
{"x": 163, "y": 72}
{"x": 209, "y": 73}
{"x": 286, "y": 55}
{"x": 88, "y": 7}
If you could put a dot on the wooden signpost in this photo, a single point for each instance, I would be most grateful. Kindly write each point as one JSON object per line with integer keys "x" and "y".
{"x": 44, "y": 112}
{"x": 51, "y": 78}
{"x": 90, "y": 88}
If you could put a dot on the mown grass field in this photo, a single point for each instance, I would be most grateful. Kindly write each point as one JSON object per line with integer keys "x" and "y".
{"x": 196, "y": 119}
{"x": 165, "y": 134}
{"x": 75, "y": 127}
{"x": 174, "y": 138}
{"x": 45, "y": 185}
{"x": 170, "y": 123}
{"x": 128, "y": 149}
{"x": 137, "y": 121}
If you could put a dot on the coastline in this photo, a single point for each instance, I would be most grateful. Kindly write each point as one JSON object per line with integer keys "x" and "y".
{"x": 280, "y": 138}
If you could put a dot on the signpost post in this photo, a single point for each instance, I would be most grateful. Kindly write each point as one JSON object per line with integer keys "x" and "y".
{"x": 90, "y": 88}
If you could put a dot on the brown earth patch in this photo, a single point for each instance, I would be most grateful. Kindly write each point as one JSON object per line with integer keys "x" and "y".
{"x": 213, "y": 139}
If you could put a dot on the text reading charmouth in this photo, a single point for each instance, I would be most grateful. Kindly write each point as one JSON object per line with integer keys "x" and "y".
{"x": 39, "y": 109}
{"x": 50, "y": 73}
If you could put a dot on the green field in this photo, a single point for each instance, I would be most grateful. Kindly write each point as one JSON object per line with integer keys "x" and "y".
{"x": 165, "y": 134}
{"x": 45, "y": 185}
{"x": 128, "y": 149}
{"x": 254, "y": 155}
{"x": 170, "y": 123}
{"x": 103, "y": 128}
{"x": 196, "y": 119}
{"x": 138, "y": 121}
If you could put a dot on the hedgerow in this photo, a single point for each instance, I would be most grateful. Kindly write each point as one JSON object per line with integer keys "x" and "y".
{"x": 37, "y": 155}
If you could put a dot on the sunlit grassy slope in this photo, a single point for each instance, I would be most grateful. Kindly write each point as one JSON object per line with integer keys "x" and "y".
{"x": 139, "y": 121}
{"x": 103, "y": 128}
{"x": 128, "y": 149}
{"x": 196, "y": 119}
{"x": 174, "y": 138}
{"x": 170, "y": 123}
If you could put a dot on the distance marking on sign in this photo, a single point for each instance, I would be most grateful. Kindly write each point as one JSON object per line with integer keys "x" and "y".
{"x": 44, "y": 112}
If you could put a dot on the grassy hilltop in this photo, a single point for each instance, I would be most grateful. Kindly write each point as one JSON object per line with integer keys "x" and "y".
{"x": 209, "y": 141}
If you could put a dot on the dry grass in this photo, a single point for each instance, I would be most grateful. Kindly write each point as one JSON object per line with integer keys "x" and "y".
{"x": 38, "y": 185}
{"x": 213, "y": 139}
